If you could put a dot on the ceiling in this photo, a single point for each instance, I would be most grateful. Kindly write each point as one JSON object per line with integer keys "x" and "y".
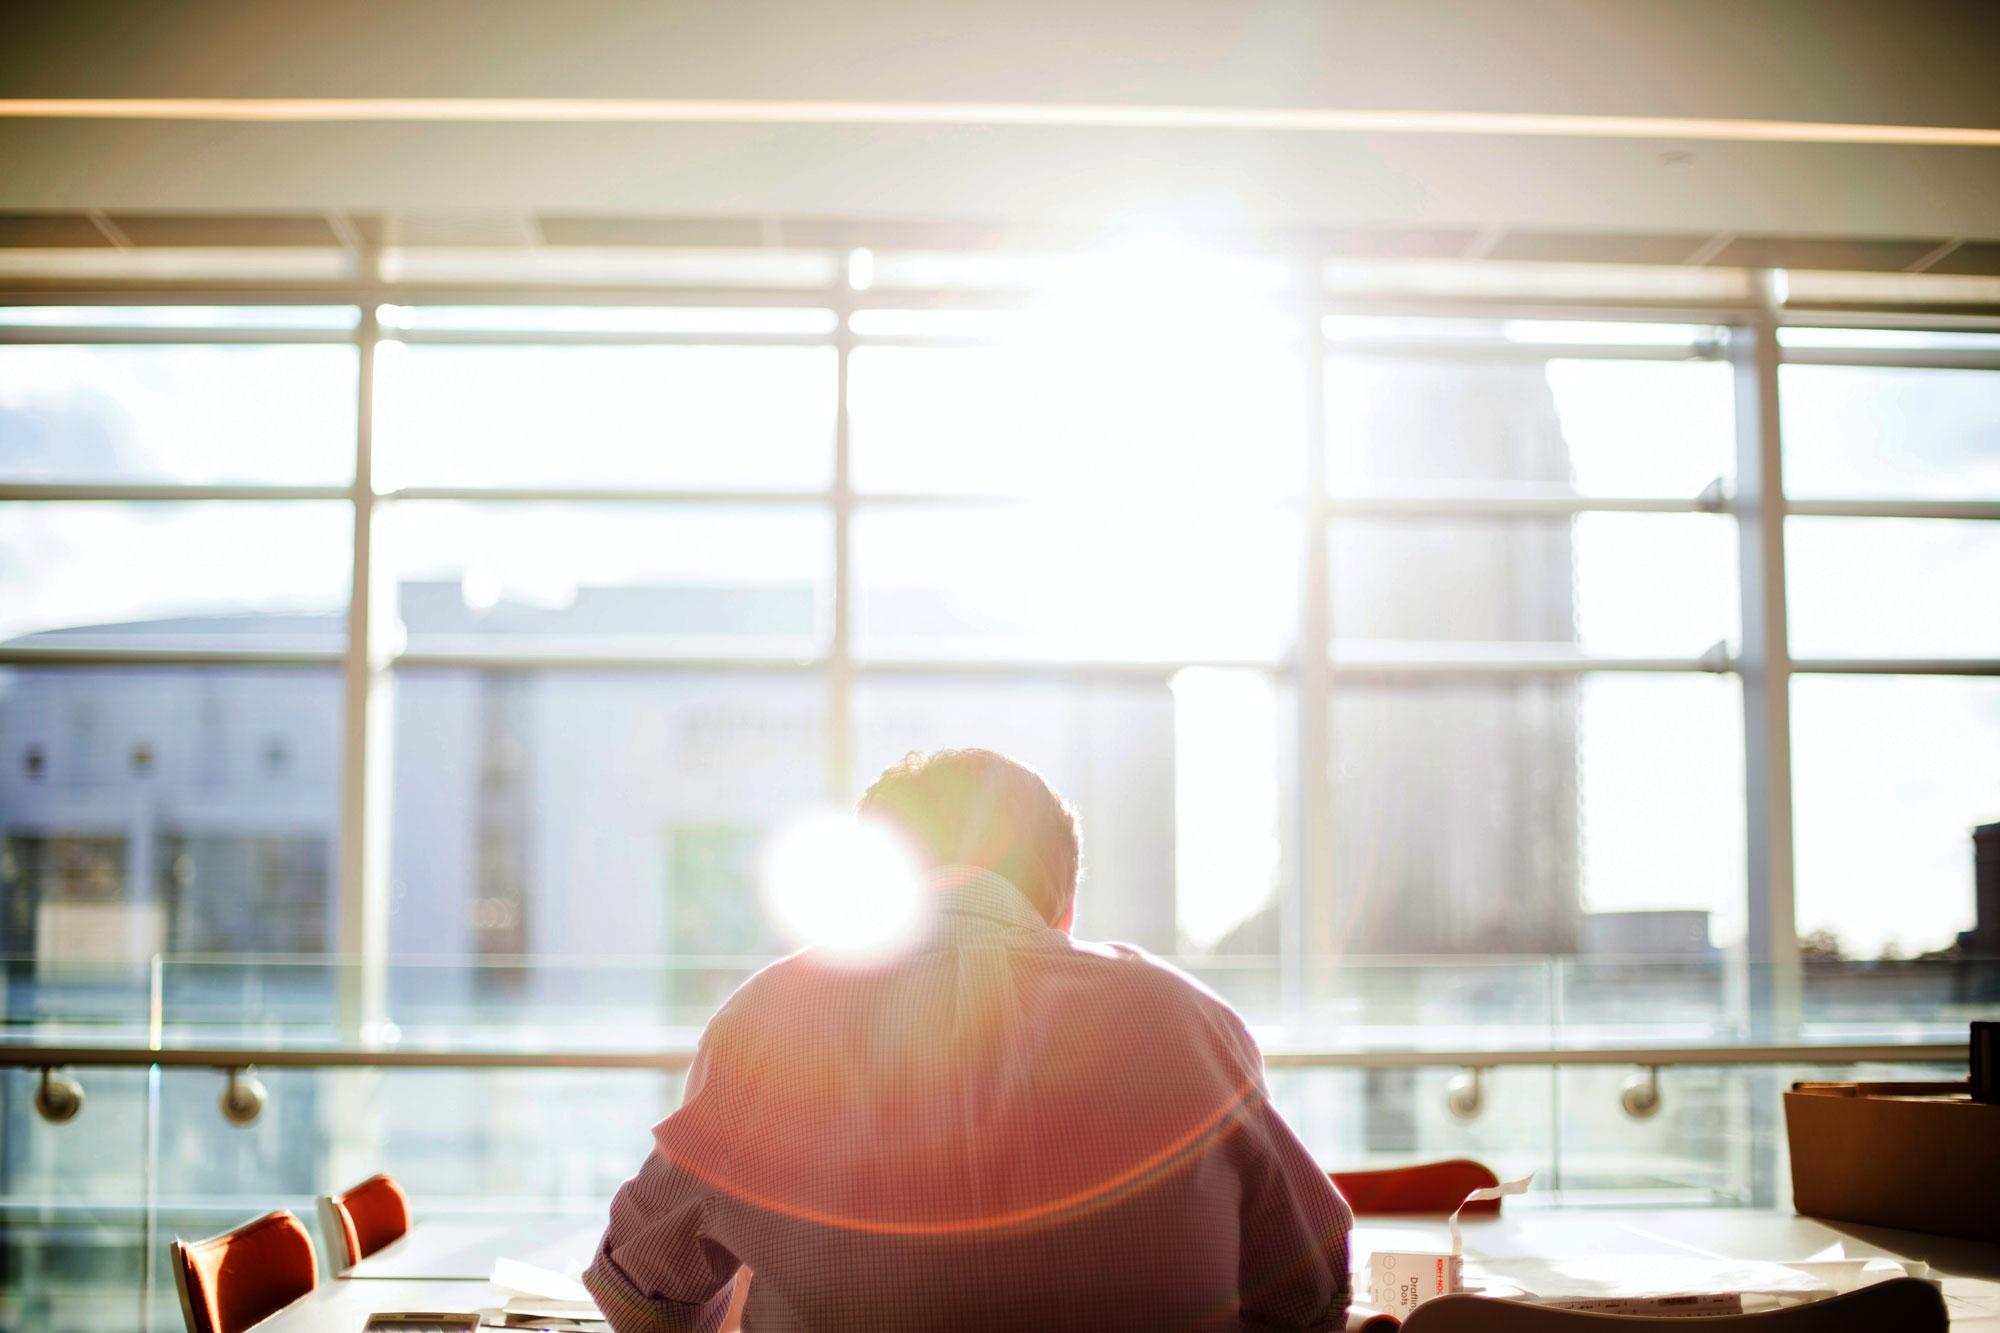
{"x": 1920, "y": 62}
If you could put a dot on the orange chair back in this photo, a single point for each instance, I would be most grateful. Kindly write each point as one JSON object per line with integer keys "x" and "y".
{"x": 1433, "y": 1187}
{"x": 243, "y": 1277}
{"x": 365, "y": 1219}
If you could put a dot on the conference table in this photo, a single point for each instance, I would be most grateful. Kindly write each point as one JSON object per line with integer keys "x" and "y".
{"x": 445, "y": 1265}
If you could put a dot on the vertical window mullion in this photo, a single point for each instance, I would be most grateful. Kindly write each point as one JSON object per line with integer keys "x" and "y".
{"x": 361, "y": 932}
{"x": 840, "y": 654}
{"x": 1764, "y": 667}
{"x": 1306, "y": 933}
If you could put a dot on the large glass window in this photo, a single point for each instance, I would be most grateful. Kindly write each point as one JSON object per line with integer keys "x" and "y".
{"x": 212, "y": 573}
{"x": 1891, "y": 774}
{"x": 1076, "y": 581}
{"x": 1183, "y": 790}
{"x": 1057, "y": 410}
{"x": 184, "y": 810}
{"x": 1891, "y": 431}
{"x": 1604, "y": 427}
{"x": 676, "y": 580}
{"x": 1100, "y": 473}
{"x": 1610, "y": 584}
{"x": 187, "y": 413}
{"x": 1599, "y": 815}
{"x": 686, "y": 417}
{"x": 1887, "y": 587}
{"x": 588, "y": 814}
{"x": 1456, "y": 770}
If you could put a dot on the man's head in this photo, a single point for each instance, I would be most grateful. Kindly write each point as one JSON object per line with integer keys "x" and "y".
{"x": 975, "y": 807}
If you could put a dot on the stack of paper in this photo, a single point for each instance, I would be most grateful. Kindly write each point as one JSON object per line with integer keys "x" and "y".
{"x": 542, "y": 1298}
{"x": 1655, "y": 1284}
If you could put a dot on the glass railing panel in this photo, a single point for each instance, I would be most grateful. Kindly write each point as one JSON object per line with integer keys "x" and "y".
{"x": 1903, "y": 1000}
{"x": 1360, "y": 1119}
{"x": 1698, "y": 1001}
{"x": 88, "y": 1206}
{"x": 53, "y": 1002}
{"x": 73, "y": 1205}
{"x": 661, "y": 1003}
{"x": 1693, "y": 1148}
{"x": 1425, "y": 1003}
{"x": 621, "y": 1003}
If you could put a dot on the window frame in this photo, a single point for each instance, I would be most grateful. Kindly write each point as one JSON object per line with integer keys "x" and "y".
{"x": 1747, "y": 337}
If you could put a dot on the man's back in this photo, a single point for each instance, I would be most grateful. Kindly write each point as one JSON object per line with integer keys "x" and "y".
{"x": 997, "y": 1129}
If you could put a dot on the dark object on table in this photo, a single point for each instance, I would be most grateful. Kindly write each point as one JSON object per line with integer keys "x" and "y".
{"x": 1921, "y": 1156}
{"x": 1905, "y": 1304}
{"x": 1986, "y": 1063}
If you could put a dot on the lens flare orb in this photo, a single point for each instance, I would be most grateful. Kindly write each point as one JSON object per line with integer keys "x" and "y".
{"x": 846, "y": 886}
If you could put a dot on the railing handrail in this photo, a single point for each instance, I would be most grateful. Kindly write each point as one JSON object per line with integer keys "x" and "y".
{"x": 679, "y": 1057}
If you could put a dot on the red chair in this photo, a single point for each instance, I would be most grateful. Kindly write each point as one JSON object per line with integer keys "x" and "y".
{"x": 363, "y": 1220}
{"x": 244, "y": 1276}
{"x": 1433, "y": 1187}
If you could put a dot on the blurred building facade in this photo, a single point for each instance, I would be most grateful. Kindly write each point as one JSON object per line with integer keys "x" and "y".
{"x": 579, "y": 813}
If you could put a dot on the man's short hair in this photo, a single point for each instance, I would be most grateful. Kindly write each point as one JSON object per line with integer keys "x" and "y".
{"x": 977, "y": 807}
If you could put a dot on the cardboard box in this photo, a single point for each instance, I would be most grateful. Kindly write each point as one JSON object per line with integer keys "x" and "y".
{"x": 1920, "y": 1156}
{"x": 1399, "y": 1281}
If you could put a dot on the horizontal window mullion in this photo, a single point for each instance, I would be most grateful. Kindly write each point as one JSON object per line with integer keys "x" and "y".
{"x": 983, "y": 668}
{"x": 1469, "y": 666}
{"x": 1892, "y": 666}
{"x": 1988, "y": 510}
{"x": 163, "y": 491}
{"x": 65, "y": 655}
{"x": 528, "y": 659}
{"x": 1452, "y": 349}
{"x": 53, "y": 335}
{"x": 968, "y": 340}
{"x": 598, "y": 338}
{"x": 147, "y": 293}
{"x": 1500, "y": 505}
{"x": 1108, "y": 672}
{"x": 608, "y": 495}
{"x": 1897, "y": 358}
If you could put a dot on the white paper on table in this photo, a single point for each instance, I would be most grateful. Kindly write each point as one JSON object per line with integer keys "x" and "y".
{"x": 1401, "y": 1280}
{"x": 1845, "y": 1275}
{"x": 519, "y": 1279}
{"x": 1479, "y": 1196}
{"x": 1644, "y": 1277}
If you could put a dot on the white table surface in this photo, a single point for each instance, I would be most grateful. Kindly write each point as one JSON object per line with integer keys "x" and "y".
{"x": 1970, "y": 1269}
{"x": 466, "y": 1249}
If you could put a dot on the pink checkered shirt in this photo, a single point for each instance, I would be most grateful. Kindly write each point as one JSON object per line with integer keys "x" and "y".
{"x": 999, "y": 1128}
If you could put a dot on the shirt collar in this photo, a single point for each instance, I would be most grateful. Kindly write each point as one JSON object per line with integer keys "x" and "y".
{"x": 962, "y": 890}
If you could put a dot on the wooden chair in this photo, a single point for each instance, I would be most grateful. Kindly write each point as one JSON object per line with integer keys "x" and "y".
{"x": 244, "y": 1276}
{"x": 1901, "y": 1305}
{"x": 1432, "y": 1187}
{"x": 363, "y": 1220}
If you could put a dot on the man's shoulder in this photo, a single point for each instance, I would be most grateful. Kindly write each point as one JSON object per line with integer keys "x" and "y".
{"x": 1132, "y": 967}
{"x": 782, "y": 1000}
{"x": 772, "y": 984}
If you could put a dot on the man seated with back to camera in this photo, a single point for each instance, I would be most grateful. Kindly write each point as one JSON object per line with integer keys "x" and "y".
{"x": 998, "y": 1127}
